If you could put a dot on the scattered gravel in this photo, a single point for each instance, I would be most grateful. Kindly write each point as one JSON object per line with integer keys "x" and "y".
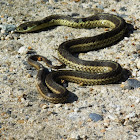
{"x": 25, "y": 115}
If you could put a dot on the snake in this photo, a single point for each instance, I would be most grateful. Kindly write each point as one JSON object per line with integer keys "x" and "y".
{"x": 97, "y": 72}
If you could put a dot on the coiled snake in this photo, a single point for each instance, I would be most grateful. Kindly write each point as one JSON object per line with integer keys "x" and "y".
{"x": 86, "y": 72}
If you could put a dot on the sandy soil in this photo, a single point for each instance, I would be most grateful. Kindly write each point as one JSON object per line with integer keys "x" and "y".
{"x": 25, "y": 115}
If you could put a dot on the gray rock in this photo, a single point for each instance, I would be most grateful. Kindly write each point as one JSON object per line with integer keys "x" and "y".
{"x": 123, "y": 9}
{"x": 131, "y": 84}
{"x": 95, "y": 117}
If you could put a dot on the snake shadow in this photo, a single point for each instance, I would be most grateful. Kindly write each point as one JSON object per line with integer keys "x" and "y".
{"x": 71, "y": 98}
{"x": 125, "y": 72}
{"x": 125, "y": 75}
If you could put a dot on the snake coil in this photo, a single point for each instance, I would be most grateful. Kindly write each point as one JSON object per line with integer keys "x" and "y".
{"x": 86, "y": 72}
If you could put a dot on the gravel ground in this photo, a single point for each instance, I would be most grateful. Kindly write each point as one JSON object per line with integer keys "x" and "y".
{"x": 102, "y": 112}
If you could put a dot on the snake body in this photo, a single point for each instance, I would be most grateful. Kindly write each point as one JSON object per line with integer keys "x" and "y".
{"x": 86, "y": 72}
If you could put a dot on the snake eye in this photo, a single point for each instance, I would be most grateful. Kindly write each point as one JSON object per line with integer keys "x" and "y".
{"x": 25, "y": 28}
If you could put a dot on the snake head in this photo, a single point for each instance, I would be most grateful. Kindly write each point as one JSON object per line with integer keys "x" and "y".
{"x": 26, "y": 27}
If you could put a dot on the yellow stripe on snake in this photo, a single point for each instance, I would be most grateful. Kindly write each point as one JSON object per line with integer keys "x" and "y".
{"x": 85, "y": 72}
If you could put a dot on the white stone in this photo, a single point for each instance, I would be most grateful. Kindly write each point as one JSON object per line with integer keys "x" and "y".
{"x": 138, "y": 64}
{"x": 137, "y": 100}
{"x": 2, "y": 31}
{"x": 58, "y": 105}
{"x": 76, "y": 110}
{"x": 66, "y": 108}
{"x": 22, "y": 50}
{"x": 10, "y": 19}
{"x": 126, "y": 38}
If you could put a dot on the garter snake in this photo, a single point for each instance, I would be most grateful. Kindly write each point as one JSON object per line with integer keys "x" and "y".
{"x": 86, "y": 72}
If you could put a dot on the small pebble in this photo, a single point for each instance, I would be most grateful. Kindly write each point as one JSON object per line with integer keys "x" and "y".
{"x": 2, "y": 38}
{"x": 23, "y": 50}
{"x": 58, "y": 105}
{"x": 9, "y": 112}
{"x": 9, "y": 37}
{"x": 138, "y": 64}
{"x": 95, "y": 117}
{"x": 138, "y": 47}
{"x": 66, "y": 108}
{"x": 123, "y": 9}
{"x": 74, "y": 136}
{"x": 126, "y": 38}
{"x": 137, "y": 99}
{"x": 44, "y": 106}
{"x": 77, "y": 110}
{"x": 4, "y": 77}
{"x": 27, "y": 117}
{"x": 138, "y": 73}
{"x": 10, "y": 19}
{"x": 2, "y": 31}
{"x": 130, "y": 84}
